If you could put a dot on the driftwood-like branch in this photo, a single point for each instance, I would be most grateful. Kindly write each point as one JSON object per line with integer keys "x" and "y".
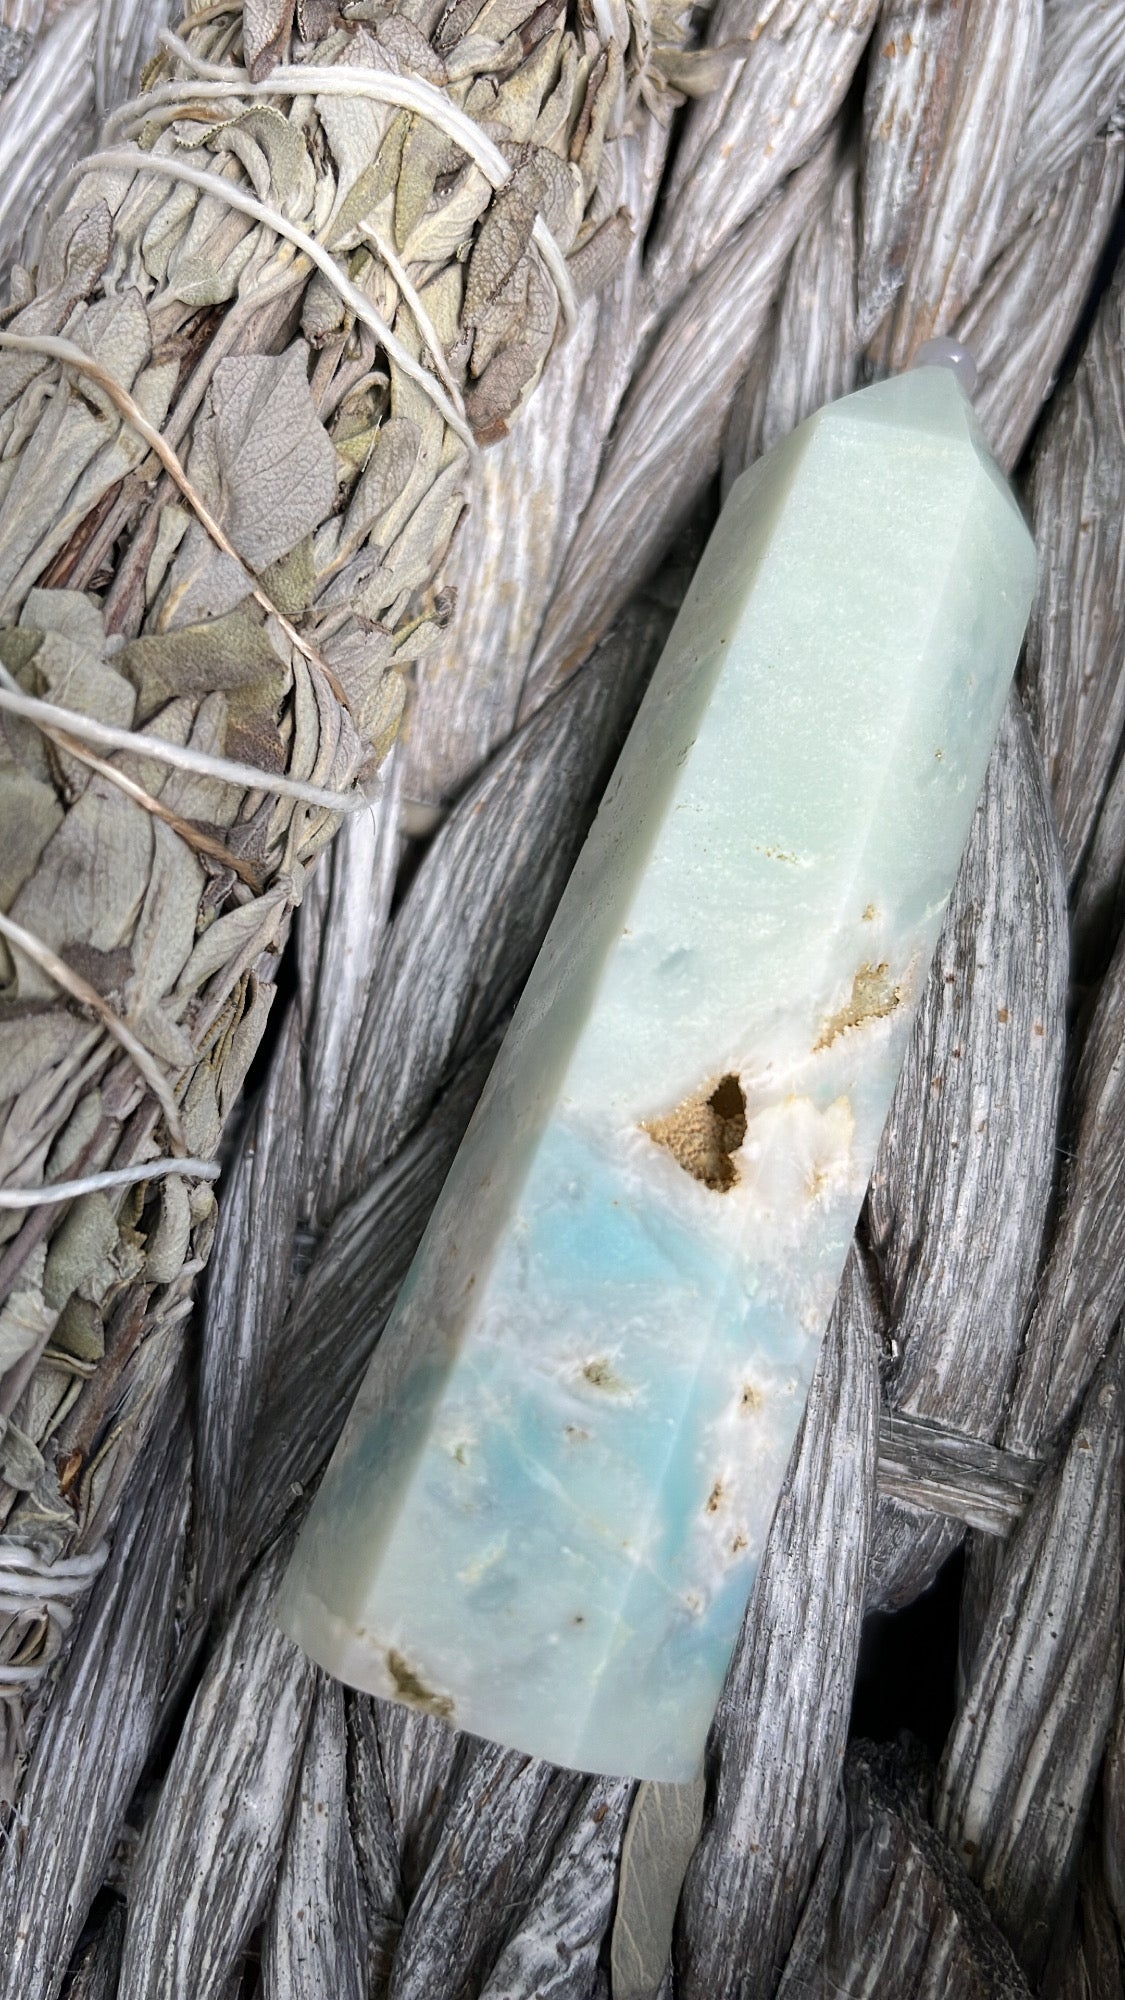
{"x": 315, "y": 1945}
{"x": 212, "y": 1849}
{"x": 788, "y": 1694}
{"x": 894, "y": 1912}
{"x": 1022, "y": 1758}
{"x": 98, "y": 1733}
{"x": 968, "y": 1159}
{"x": 1076, "y": 492}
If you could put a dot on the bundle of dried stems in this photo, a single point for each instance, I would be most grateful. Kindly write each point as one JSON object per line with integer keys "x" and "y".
{"x": 240, "y": 397}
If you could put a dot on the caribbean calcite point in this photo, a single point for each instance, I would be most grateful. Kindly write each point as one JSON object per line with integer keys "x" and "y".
{"x": 544, "y": 1517}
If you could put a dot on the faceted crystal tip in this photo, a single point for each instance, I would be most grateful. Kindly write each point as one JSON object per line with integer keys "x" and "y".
{"x": 945, "y": 352}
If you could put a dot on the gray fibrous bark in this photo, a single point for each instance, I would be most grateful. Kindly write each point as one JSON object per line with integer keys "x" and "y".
{"x": 851, "y": 180}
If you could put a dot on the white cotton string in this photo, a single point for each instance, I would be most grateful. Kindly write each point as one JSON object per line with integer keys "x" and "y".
{"x": 26, "y": 1593}
{"x": 13, "y": 1680}
{"x": 249, "y": 777}
{"x": 381, "y": 86}
{"x": 36, "y": 1591}
{"x": 71, "y": 1572}
{"x": 145, "y": 1170}
{"x": 174, "y": 169}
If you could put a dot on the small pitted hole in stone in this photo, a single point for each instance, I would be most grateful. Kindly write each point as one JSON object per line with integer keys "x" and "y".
{"x": 715, "y": 1497}
{"x": 874, "y": 995}
{"x": 600, "y": 1375}
{"x": 704, "y": 1132}
{"x": 751, "y": 1400}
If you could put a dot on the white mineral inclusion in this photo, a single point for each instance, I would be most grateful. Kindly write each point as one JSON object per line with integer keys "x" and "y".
{"x": 545, "y": 1515}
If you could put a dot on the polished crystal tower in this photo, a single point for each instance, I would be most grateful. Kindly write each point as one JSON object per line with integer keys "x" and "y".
{"x": 544, "y": 1517}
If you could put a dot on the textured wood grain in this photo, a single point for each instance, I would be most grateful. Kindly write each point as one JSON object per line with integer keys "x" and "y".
{"x": 810, "y": 353}
{"x": 339, "y": 937}
{"x": 248, "y": 1290}
{"x": 1089, "y": 1959}
{"x": 203, "y": 1872}
{"x": 947, "y": 93}
{"x": 553, "y": 1952}
{"x": 1113, "y": 1808}
{"x": 967, "y": 1160}
{"x": 125, "y": 34}
{"x": 1079, "y": 84}
{"x": 376, "y": 1847}
{"x": 314, "y": 1945}
{"x": 423, "y": 1762}
{"x": 97, "y": 1735}
{"x": 788, "y": 1694}
{"x": 945, "y": 1472}
{"x": 1022, "y": 1758}
{"x": 45, "y": 122}
{"x": 1082, "y": 1289}
{"x": 784, "y": 96}
{"x": 1073, "y": 674}
{"x": 500, "y": 1826}
{"x": 1022, "y": 317}
{"x": 668, "y": 440}
{"x": 903, "y": 1918}
{"x": 967, "y": 1163}
{"x": 1099, "y": 903}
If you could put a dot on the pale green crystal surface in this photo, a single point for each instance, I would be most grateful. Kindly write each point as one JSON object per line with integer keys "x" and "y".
{"x": 545, "y": 1515}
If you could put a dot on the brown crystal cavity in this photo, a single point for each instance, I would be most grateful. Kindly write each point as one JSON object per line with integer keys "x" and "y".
{"x": 704, "y": 1132}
